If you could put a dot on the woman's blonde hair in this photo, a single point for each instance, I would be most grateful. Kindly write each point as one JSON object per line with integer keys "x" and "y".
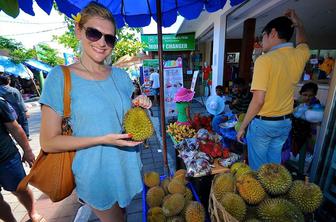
{"x": 94, "y": 9}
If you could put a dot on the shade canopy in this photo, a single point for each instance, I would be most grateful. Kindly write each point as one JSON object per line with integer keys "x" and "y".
{"x": 14, "y": 69}
{"x": 38, "y": 65}
{"x": 134, "y": 13}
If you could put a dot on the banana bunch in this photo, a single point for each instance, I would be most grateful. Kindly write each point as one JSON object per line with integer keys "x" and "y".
{"x": 180, "y": 132}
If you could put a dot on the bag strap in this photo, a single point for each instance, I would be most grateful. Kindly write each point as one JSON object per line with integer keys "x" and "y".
{"x": 66, "y": 92}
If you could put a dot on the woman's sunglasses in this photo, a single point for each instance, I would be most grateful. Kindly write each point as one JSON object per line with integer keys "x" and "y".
{"x": 94, "y": 35}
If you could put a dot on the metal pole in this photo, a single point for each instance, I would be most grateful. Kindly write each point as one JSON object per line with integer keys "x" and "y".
{"x": 162, "y": 107}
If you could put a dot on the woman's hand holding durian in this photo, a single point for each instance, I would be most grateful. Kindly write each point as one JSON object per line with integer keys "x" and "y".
{"x": 142, "y": 101}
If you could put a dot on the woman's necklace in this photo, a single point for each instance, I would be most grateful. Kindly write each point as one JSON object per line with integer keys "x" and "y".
{"x": 107, "y": 97}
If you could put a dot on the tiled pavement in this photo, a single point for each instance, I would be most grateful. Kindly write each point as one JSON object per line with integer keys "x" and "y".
{"x": 66, "y": 210}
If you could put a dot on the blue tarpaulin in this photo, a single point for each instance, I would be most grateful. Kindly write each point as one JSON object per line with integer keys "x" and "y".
{"x": 135, "y": 13}
{"x": 38, "y": 65}
{"x": 12, "y": 68}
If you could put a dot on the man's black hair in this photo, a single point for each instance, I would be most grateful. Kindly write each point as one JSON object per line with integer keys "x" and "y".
{"x": 219, "y": 87}
{"x": 283, "y": 25}
{"x": 310, "y": 86}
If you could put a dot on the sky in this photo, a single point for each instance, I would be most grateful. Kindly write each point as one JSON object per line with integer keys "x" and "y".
{"x": 31, "y": 30}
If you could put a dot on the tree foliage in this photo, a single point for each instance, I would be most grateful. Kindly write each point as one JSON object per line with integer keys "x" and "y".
{"x": 48, "y": 55}
{"x": 16, "y": 50}
{"x": 18, "y": 53}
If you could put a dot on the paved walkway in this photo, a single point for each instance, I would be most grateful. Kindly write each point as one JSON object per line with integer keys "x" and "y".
{"x": 66, "y": 210}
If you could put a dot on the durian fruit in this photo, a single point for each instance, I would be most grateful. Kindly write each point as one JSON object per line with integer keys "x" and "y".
{"x": 250, "y": 189}
{"x": 234, "y": 205}
{"x": 155, "y": 214}
{"x": 155, "y": 196}
{"x": 164, "y": 185}
{"x": 275, "y": 178}
{"x": 137, "y": 123}
{"x": 252, "y": 220}
{"x": 307, "y": 196}
{"x": 224, "y": 182}
{"x": 175, "y": 186}
{"x": 251, "y": 213}
{"x": 180, "y": 175}
{"x": 195, "y": 212}
{"x": 279, "y": 210}
{"x": 236, "y": 166}
{"x": 188, "y": 196}
{"x": 152, "y": 179}
{"x": 173, "y": 205}
{"x": 166, "y": 197}
{"x": 177, "y": 218}
{"x": 245, "y": 169}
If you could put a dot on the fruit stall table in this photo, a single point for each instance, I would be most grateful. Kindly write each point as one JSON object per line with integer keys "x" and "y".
{"x": 202, "y": 184}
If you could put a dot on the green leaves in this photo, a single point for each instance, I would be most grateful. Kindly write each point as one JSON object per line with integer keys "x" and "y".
{"x": 16, "y": 50}
{"x": 10, "y": 7}
{"x": 48, "y": 55}
{"x": 19, "y": 54}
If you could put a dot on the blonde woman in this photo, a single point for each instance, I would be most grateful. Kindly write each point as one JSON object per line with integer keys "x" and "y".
{"x": 107, "y": 163}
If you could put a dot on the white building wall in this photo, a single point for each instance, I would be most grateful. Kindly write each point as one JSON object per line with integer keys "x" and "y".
{"x": 218, "y": 52}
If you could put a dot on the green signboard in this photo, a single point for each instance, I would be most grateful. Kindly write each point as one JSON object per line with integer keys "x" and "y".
{"x": 154, "y": 63}
{"x": 171, "y": 42}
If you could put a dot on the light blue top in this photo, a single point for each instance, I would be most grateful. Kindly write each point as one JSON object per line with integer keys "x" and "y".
{"x": 282, "y": 45}
{"x": 104, "y": 174}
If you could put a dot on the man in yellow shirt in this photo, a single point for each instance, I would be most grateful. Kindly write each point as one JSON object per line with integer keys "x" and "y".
{"x": 275, "y": 76}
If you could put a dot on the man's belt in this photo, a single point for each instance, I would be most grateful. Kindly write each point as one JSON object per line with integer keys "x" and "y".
{"x": 274, "y": 118}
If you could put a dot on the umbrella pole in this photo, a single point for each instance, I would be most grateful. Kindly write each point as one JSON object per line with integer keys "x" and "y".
{"x": 162, "y": 107}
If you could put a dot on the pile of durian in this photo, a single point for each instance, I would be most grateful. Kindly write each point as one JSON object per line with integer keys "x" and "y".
{"x": 180, "y": 132}
{"x": 266, "y": 195}
{"x": 170, "y": 200}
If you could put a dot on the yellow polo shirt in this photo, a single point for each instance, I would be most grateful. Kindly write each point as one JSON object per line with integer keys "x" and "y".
{"x": 277, "y": 72}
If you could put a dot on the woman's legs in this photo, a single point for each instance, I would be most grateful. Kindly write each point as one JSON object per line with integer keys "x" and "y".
{"x": 114, "y": 214}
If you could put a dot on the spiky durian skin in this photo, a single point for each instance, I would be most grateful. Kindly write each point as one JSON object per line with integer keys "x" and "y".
{"x": 250, "y": 189}
{"x": 223, "y": 183}
{"x": 279, "y": 210}
{"x": 195, "y": 212}
{"x": 252, "y": 220}
{"x": 164, "y": 185}
{"x": 137, "y": 123}
{"x": 234, "y": 205}
{"x": 177, "y": 218}
{"x": 155, "y": 196}
{"x": 173, "y": 205}
{"x": 307, "y": 196}
{"x": 176, "y": 186}
{"x": 151, "y": 179}
{"x": 188, "y": 196}
{"x": 275, "y": 178}
{"x": 155, "y": 214}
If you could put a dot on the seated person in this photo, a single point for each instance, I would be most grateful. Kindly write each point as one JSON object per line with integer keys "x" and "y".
{"x": 220, "y": 90}
{"x": 241, "y": 98}
{"x": 304, "y": 132}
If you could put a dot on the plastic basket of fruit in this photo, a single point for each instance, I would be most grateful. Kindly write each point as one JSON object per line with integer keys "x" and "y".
{"x": 152, "y": 195}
